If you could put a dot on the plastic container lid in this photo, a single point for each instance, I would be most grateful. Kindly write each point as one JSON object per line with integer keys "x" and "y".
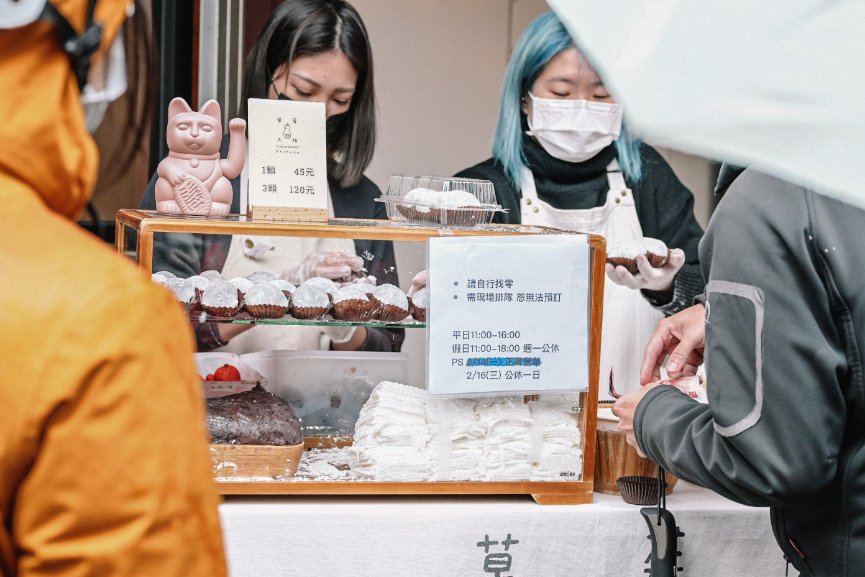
{"x": 440, "y": 200}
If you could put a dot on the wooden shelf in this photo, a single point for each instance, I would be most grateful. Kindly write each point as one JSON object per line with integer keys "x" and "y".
{"x": 543, "y": 492}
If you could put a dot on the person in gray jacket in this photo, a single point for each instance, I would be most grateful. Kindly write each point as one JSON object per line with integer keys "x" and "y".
{"x": 782, "y": 332}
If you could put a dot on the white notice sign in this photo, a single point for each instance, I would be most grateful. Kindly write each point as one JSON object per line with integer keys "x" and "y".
{"x": 287, "y": 160}
{"x": 508, "y": 314}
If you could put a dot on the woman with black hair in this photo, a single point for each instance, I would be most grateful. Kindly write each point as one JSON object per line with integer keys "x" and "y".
{"x": 304, "y": 48}
{"x": 318, "y": 51}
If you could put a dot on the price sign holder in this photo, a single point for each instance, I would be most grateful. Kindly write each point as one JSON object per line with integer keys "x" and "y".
{"x": 508, "y": 315}
{"x": 287, "y": 161}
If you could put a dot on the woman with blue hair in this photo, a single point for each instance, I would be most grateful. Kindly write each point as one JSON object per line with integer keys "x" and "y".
{"x": 561, "y": 159}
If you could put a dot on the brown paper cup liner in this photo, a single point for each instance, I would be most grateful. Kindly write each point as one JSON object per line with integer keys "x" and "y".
{"x": 465, "y": 217}
{"x": 309, "y": 313}
{"x": 194, "y": 307}
{"x": 638, "y": 490}
{"x": 390, "y": 313}
{"x": 288, "y": 296}
{"x": 658, "y": 260}
{"x": 417, "y": 313}
{"x": 222, "y": 311}
{"x": 628, "y": 263}
{"x": 267, "y": 311}
{"x": 354, "y": 310}
{"x": 416, "y": 215}
{"x": 447, "y": 217}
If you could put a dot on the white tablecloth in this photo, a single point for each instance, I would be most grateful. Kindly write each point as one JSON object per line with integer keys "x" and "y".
{"x": 466, "y": 536}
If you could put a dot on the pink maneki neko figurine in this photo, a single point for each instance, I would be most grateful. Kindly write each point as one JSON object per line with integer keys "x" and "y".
{"x": 193, "y": 179}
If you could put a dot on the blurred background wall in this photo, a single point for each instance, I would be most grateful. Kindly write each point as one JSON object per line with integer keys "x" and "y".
{"x": 439, "y": 68}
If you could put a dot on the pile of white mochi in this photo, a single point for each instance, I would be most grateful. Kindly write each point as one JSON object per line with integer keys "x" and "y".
{"x": 403, "y": 434}
{"x": 426, "y": 199}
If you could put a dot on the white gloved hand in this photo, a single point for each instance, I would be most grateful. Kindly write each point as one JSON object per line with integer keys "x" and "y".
{"x": 365, "y": 279}
{"x": 418, "y": 282}
{"x": 339, "y": 333}
{"x": 647, "y": 277}
{"x": 255, "y": 247}
{"x": 333, "y": 265}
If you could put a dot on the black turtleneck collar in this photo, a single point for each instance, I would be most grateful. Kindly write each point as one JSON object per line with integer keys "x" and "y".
{"x": 558, "y": 171}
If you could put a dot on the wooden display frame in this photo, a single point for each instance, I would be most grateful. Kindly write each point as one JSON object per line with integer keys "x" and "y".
{"x": 147, "y": 223}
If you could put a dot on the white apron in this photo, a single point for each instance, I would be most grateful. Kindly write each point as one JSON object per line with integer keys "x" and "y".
{"x": 287, "y": 252}
{"x": 629, "y": 319}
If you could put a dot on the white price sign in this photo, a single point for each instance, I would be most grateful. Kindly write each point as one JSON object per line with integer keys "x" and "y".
{"x": 287, "y": 159}
{"x": 508, "y": 314}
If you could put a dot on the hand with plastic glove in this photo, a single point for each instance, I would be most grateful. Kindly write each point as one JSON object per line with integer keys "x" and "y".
{"x": 343, "y": 337}
{"x": 339, "y": 334}
{"x": 336, "y": 265}
{"x": 357, "y": 278}
{"x": 418, "y": 282}
{"x": 648, "y": 277}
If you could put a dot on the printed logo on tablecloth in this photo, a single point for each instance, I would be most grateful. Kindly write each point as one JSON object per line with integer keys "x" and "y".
{"x": 501, "y": 562}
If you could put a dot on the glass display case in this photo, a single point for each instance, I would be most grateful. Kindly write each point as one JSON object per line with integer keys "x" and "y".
{"x": 328, "y": 465}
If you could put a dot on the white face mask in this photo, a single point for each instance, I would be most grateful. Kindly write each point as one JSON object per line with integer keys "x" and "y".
{"x": 106, "y": 79}
{"x": 106, "y": 82}
{"x": 574, "y": 130}
{"x": 17, "y": 13}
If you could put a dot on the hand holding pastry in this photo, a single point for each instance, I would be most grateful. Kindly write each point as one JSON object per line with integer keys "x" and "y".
{"x": 646, "y": 276}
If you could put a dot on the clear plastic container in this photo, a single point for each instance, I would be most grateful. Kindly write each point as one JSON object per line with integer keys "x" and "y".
{"x": 440, "y": 200}
{"x": 327, "y": 388}
{"x": 207, "y": 363}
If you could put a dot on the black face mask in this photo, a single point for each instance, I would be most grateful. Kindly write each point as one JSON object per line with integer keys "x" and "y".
{"x": 332, "y": 126}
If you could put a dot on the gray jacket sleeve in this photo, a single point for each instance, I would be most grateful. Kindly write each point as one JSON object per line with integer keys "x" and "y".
{"x": 773, "y": 428}
{"x": 687, "y": 285}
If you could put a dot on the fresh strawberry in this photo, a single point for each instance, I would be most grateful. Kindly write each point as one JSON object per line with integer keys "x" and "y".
{"x": 226, "y": 373}
{"x": 209, "y": 377}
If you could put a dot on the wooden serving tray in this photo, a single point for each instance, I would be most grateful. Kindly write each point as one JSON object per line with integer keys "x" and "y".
{"x": 543, "y": 492}
{"x": 255, "y": 460}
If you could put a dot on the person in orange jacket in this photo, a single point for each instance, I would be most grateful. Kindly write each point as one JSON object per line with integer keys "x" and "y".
{"x": 104, "y": 466}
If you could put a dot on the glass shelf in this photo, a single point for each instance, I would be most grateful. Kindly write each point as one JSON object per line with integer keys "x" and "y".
{"x": 246, "y": 319}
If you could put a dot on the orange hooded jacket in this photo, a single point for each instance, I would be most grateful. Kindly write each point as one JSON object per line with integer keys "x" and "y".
{"x": 104, "y": 466}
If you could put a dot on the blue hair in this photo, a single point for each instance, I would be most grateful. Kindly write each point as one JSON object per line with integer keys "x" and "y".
{"x": 545, "y": 37}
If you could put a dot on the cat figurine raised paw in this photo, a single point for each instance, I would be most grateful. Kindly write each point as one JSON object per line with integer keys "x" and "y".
{"x": 193, "y": 179}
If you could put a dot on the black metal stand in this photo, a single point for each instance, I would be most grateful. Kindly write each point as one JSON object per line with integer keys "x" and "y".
{"x": 664, "y": 534}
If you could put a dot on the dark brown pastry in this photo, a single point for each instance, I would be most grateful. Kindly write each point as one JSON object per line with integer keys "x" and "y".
{"x": 625, "y": 254}
{"x": 255, "y": 417}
